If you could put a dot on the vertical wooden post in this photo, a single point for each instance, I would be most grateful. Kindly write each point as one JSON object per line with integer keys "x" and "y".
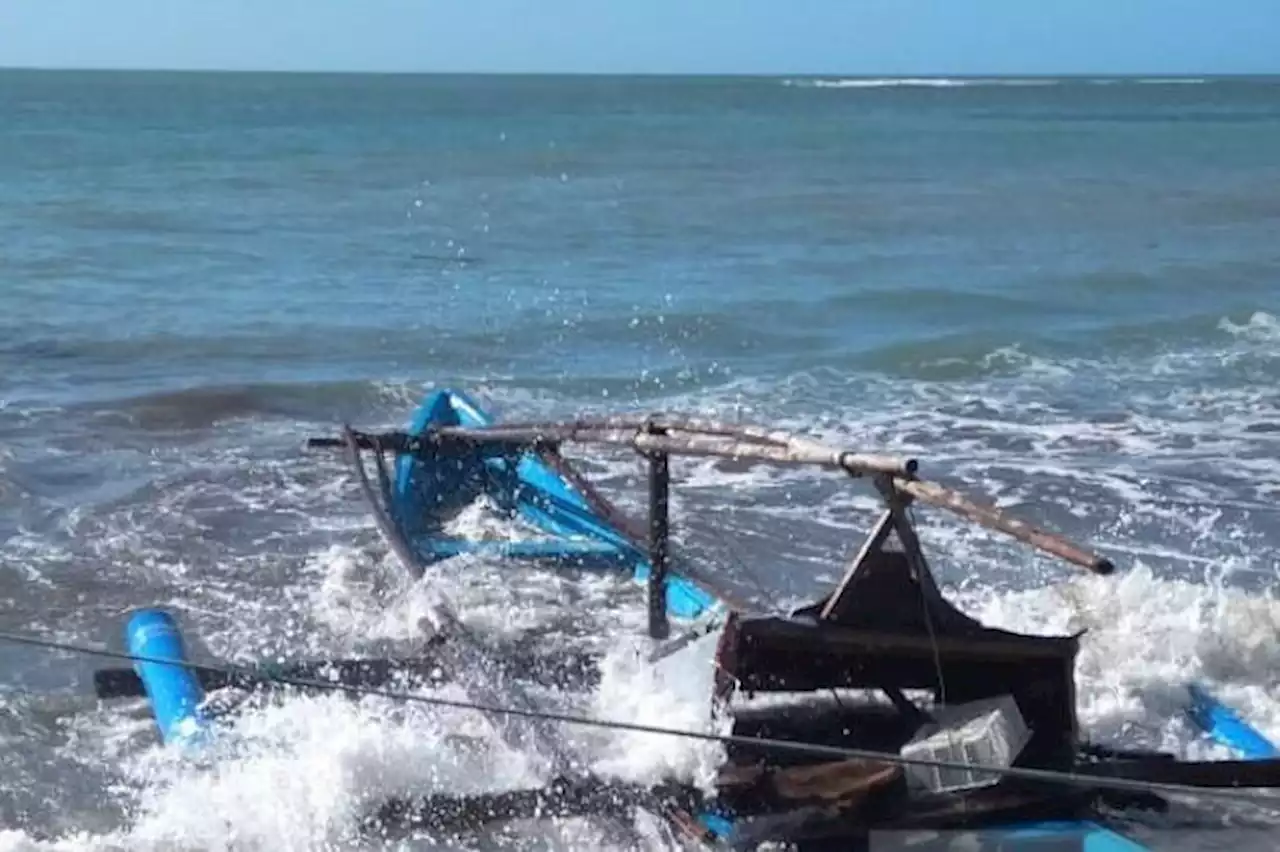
{"x": 659, "y": 543}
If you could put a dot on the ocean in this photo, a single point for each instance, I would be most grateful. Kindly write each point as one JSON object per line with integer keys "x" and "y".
{"x": 1059, "y": 294}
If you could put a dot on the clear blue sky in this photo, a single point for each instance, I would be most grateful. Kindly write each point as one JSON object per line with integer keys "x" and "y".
{"x": 651, "y": 36}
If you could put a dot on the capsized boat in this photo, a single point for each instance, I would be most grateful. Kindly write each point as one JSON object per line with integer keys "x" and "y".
{"x": 922, "y": 695}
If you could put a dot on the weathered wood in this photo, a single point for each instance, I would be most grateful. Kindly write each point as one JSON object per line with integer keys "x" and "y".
{"x": 659, "y": 543}
{"x": 992, "y": 806}
{"x": 993, "y": 518}
{"x": 846, "y": 781}
{"x": 992, "y": 645}
{"x": 724, "y": 441}
{"x": 675, "y": 435}
{"x": 873, "y": 543}
{"x": 561, "y": 670}
{"x": 859, "y": 463}
{"x": 855, "y": 464}
{"x": 563, "y": 797}
{"x": 1209, "y": 773}
{"x": 636, "y": 422}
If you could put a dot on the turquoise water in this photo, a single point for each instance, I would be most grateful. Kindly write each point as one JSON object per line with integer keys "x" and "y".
{"x": 1061, "y": 294}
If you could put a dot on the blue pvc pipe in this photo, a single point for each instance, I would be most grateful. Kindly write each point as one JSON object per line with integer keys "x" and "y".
{"x": 1222, "y": 724}
{"x": 174, "y": 691}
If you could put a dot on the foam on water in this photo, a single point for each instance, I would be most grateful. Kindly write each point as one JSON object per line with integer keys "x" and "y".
{"x": 299, "y": 773}
{"x": 675, "y": 694}
{"x": 1260, "y": 327}
{"x": 1194, "y": 600}
{"x": 961, "y": 82}
{"x": 1147, "y": 637}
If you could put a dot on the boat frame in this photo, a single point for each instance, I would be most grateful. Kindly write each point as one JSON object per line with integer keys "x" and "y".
{"x": 885, "y": 627}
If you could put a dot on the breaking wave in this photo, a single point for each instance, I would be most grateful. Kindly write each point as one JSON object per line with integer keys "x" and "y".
{"x": 913, "y": 82}
{"x": 962, "y": 82}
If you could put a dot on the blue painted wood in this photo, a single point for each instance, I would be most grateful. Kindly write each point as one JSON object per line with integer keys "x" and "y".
{"x": 1090, "y": 836}
{"x": 429, "y": 489}
{"x": 1082, "y": 835}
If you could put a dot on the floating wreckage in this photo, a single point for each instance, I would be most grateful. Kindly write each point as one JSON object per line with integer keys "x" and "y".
{"x": 937, "y": 728}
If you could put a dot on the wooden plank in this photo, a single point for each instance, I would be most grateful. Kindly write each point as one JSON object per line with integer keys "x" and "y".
{"x": 1209, "y": 773}
{"x": 838, "y": 640}
{"x": 564, "y": 796}
{"x": 846, "y": 781}
{"x": 873, "y": 543}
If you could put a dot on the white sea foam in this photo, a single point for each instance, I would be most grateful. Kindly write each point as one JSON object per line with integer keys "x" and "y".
{"x": 1146, "y": 638}
{"x": 1194, "y": 598}
{"x": 960, "y": 82}
{"x": 297, "y": 776}
{"x": 1261, "y": 327}
{"x": 914, "y": 82}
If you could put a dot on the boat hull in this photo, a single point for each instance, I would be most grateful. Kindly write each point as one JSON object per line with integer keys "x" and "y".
{"x": 430, "y": 487}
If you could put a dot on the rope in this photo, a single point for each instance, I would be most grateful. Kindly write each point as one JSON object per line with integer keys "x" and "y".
{"x": 767, "y": 743}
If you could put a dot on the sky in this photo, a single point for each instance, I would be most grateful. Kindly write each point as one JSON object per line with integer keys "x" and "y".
{"x": 870, "y": 37}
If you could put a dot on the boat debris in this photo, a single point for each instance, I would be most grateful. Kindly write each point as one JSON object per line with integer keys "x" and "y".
{"x": 936, "y": 722}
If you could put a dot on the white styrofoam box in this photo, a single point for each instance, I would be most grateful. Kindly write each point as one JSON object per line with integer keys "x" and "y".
{"x": 989, "y": 732}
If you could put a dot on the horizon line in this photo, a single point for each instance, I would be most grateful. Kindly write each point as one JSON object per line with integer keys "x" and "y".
{"x": 886, "y": 75}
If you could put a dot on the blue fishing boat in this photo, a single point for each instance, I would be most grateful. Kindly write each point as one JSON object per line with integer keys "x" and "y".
{"x": 925, "y": 697}
{"x": 530, "y": 483}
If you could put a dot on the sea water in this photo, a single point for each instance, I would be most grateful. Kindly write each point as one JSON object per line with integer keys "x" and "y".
{"x": 1061, "y": 295}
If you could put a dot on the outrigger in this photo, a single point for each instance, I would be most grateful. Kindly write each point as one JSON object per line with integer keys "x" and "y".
{"x": 911, "y": 678}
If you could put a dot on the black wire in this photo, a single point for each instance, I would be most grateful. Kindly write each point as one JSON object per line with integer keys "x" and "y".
{"x": 765, "y": 743}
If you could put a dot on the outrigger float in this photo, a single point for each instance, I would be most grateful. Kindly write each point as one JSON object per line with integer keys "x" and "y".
{"x": 884, "y": 635}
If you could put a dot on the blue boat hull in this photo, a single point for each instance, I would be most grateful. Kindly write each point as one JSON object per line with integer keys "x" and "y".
{"x": 1083, "y": 835}
{"x": 1225, "y": 726}
{"x": 429, "y": 489}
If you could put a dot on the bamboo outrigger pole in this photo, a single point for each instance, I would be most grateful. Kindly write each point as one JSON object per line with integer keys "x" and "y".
{"x": 668, "y": 435}
{"x": 687, "y": 440}
{"x": 992, "y": 518}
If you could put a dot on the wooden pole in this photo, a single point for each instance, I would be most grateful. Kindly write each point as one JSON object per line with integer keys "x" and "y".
{"x": 698, "y": 439}
{"x": 723, "y": 441}
{"x": 665, "y": 436}
{"x": 992, "y": 518}
{"x": 659, "y": 543}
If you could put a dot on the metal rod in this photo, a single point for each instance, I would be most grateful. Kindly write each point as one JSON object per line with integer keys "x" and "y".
{"x": 659, "y": 542}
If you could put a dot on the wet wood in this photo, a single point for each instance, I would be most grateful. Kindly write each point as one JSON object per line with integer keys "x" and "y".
{"x": 992, "y": 518}
{"x": 808, "y": 639}
{"x": 873, "y": 543}
{"x": 702, "y": 440}
{"x": 992, "y": 806}
{"x": 563, "y": 797}
{"x": 846, "y": 781}
{"x": 560, "y": 670}
{"x": 659, "y": 544}
{"x": 1210, "y": 773}
{"x": 675, "y": 435}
